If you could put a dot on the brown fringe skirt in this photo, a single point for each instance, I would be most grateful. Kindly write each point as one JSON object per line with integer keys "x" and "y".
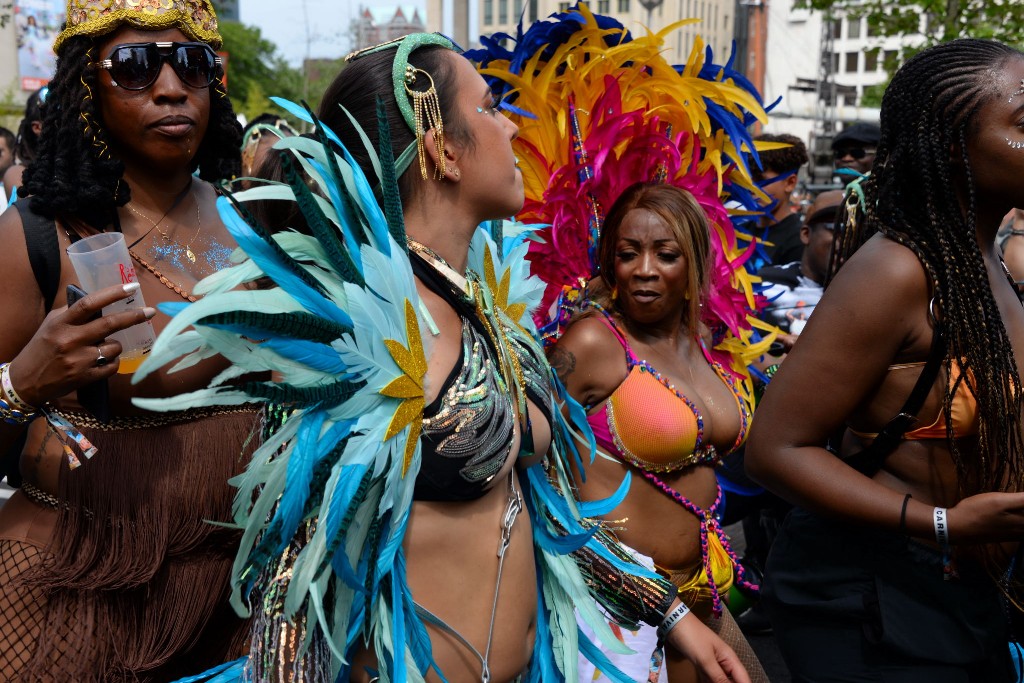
{"x": 126, "y": 579}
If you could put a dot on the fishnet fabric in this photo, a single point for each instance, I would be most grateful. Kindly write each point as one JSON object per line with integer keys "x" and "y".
{"x": 24, "y": 615}
{"x": 729, "y": 631}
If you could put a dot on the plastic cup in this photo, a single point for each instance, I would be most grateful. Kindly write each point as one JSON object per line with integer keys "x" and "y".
{"x": 103, "y": 261}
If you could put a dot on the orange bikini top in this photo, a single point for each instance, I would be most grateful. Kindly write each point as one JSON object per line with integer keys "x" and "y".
{"x": 964, "y": 409}
{"x": 648, "y": 423}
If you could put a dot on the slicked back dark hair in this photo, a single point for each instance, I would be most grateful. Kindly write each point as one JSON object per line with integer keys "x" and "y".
{"x": 75, "y": 173}
{"x": 912, "y": 197}
{"x": 368, "y": 77}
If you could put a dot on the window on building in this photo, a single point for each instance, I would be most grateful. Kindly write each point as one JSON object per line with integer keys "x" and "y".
{"x": 835, "y": 62}
{"x": 623, "y": 5}
{"x": 604, "y": 6}
{"x": 502, "y": 11}
{"x": 853, "y": 28}
{"x": 563, "y": 7}
{"x": 533, "y": 10}
{"x": 891, "y": 59}
{"x": 488, "y": 12}
{"x": 872, "y": 30}
{"x": 851, "y": 62}
{"x": 871, "y": 60}
{"x": 517, "y": 9}
{"x": 837, "y": 28}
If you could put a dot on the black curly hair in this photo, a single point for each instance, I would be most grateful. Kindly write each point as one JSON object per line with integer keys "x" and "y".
{"x": 911, "y": 197}
{"x": 75, "y": 174}
{"x": 783, "y": 160}
{"x": 28, "y": 139}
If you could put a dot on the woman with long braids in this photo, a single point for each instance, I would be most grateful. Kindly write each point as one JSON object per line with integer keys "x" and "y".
{"x": 892, "y": 559}
{"x": 109, "y": 567}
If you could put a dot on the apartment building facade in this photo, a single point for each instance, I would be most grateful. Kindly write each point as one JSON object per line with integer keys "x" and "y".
{"x": 466, "y": 20}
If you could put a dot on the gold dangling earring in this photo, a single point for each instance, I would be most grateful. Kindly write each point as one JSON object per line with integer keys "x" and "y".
{"x": 615, "y": 293}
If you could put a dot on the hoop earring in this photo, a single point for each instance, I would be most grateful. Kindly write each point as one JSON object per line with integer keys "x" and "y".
{"x": 427, "y": 114}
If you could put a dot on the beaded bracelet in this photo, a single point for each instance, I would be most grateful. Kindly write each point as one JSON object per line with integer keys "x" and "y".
{"x": 671, "y": 620}
{"x": 15, "y": 416}
{"x": 9, "y": 394}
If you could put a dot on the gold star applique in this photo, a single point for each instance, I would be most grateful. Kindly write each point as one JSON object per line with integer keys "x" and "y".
{"x": 408, "y": 386}
{"x": 499, "y": 290}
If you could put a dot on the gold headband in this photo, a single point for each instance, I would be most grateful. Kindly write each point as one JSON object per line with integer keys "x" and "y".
{"x": 195, "y": 18}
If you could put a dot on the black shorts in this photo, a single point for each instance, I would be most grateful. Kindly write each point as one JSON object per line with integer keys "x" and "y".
{"x": 858, "y": 605}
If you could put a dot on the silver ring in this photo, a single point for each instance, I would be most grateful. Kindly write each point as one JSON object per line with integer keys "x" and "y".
{"x": 101, "y": 360}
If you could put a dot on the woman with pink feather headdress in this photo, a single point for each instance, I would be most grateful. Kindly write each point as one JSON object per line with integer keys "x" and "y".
{"x": 629, "y": 162}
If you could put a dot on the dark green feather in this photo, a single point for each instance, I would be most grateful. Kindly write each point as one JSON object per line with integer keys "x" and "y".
{"x": 296, "y": 325}
{"x": 389, "y": 179}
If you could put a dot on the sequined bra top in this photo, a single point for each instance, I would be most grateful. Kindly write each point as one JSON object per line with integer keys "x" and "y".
{"x": 468, "y": 428}
{"x": 651, "y": 425}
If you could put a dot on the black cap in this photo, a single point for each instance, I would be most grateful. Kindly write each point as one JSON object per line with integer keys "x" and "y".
{"x": 860, "y": 132}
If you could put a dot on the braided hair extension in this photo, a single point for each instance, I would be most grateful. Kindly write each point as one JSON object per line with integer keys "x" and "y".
{"x": 911, "y": 197}
{"x": 219, "y": 157}
{"x": 74, "y": 172}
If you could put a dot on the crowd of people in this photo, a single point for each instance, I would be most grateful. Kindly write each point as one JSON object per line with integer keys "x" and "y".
{"x": 386, "y": 433}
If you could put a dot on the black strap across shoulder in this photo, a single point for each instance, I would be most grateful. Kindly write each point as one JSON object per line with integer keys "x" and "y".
{"x": 43, "y": 250}
{"x": 44, "y": 257}
{"x": 870, "y": 460}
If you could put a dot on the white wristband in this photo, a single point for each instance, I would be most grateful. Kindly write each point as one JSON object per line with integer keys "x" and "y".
{"x": 9, "y": 394}
{"x": 939, "y": 519}
{"x": 671, "y": 620}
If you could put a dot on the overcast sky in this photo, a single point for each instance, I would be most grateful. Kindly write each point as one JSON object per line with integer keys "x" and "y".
{"x": 328, "y": 21}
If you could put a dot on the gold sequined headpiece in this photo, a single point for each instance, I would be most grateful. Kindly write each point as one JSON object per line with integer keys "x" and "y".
{"x": 195, "y": 18}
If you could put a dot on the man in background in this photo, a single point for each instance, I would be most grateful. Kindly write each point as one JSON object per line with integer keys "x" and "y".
{"x": 854, "y": 149}
{"x": 777, "y": 178}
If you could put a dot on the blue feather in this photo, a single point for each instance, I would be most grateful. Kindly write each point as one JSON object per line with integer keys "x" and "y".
{"x": 312, "y": 354}
{"x": 345, "y": 216}
{"x": 600, "y": 508}
{"x": 302, "y": 114}
{"x": 601, "y": 661}
{"x": 229, "y": 672}
{"x": 562, "y": 544}
{"x": 397, "y": 632}
{"x": 266, "y": 258}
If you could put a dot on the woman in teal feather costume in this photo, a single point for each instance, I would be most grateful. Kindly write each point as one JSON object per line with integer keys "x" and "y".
{"x": 412, "y": 519}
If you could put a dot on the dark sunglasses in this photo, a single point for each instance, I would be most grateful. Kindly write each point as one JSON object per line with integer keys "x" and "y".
{"x": 857, "y": 153}
{"x": 136, "y": 66}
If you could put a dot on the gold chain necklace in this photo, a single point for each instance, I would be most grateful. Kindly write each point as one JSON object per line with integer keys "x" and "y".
{"x": 189, "y": 254}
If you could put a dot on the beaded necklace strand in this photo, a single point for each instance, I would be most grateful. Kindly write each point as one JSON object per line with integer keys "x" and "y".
{"x": 710, "y": 520}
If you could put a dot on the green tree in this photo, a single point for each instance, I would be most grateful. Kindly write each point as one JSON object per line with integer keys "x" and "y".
{"x": 255, "y": 70}
{"x": 1002, "y": 20}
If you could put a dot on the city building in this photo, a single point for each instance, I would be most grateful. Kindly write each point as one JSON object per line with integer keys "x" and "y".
{"x": 820, "y": 65}
{"x": 466, "y": 20}
{"x": 382, "y": 23}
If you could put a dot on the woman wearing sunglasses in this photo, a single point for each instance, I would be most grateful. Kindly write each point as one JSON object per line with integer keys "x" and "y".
{"x": 111, "y": 570}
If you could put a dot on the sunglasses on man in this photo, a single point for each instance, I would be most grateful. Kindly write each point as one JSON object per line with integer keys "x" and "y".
{"x": 136, "y": 66}
{"x": 857, "y": 153}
